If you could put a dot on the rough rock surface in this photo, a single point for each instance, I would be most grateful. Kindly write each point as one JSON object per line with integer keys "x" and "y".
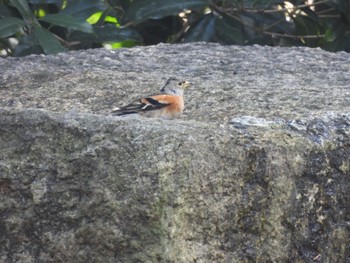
{"x": 257, "y": 169}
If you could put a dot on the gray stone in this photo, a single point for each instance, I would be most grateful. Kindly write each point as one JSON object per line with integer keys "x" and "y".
{"x": 256, "y": 170}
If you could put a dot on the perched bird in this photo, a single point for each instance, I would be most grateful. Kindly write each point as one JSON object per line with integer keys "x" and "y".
{"x": 167, "y": 105}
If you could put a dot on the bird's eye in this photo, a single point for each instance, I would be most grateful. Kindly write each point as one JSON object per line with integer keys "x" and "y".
{"x": 179, "y": 83}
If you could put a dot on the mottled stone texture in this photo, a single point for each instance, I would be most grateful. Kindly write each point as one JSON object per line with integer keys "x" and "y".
{"x": 257, "y": 169}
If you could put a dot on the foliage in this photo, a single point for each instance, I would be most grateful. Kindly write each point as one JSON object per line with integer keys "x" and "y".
{"x": 52, "y": 26}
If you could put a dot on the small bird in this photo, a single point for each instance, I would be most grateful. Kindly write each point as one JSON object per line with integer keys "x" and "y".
{"x": 167, "y": 105}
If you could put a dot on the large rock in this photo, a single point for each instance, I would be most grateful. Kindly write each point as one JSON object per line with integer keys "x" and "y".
{"x": 257, "y": 169}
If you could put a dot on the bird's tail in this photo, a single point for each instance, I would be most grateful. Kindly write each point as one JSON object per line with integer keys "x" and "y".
{"x": 128, "y": 109}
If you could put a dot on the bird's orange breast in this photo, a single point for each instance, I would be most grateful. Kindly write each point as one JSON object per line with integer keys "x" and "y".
{"x": 176, "y": 103}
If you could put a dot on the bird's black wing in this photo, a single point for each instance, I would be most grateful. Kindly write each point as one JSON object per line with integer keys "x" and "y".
{"x": 142, "y": 105}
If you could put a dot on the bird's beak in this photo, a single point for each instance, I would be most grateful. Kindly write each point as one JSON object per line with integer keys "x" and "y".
{"x": 186, "y": 84}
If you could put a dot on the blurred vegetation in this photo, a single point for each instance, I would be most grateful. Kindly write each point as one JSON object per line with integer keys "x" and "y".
{"x": 52, "y": 26}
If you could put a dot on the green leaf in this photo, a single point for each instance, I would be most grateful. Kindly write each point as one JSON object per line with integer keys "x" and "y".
{"x": 106, "y": 33}
{"x": 48, "y": 41}
{"x": 24, "y": 9}
{"x": 146, "y": 9}
{"x": 37, "y": 2}
{"x": 275, "y": 22}
{"x": 7, "y": 11}
{"x": 259, "y": 4}
{"x": 305, "y": 25}
{"x": 330, "y": 35}
{"x": 340, "y": 43}
{"x": 229, "y": 30}
{"x": 123, "y": 4}
{"x": 10, "y": 26}
{"x": 203, "y": 30}
{"x": 336, "y": 37}
{"x": 83, "y": 9}
{"x": 343, "y": 6}
{"x": 311, "y": 14}
{"x": 68, "y": 21}
{"x": 28, "y": 44}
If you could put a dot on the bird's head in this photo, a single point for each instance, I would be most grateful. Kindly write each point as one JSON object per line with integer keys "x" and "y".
{"x": 174, "y": 86}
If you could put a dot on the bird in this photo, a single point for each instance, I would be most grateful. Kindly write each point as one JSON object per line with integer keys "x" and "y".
{"x": 169, "y": 104}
